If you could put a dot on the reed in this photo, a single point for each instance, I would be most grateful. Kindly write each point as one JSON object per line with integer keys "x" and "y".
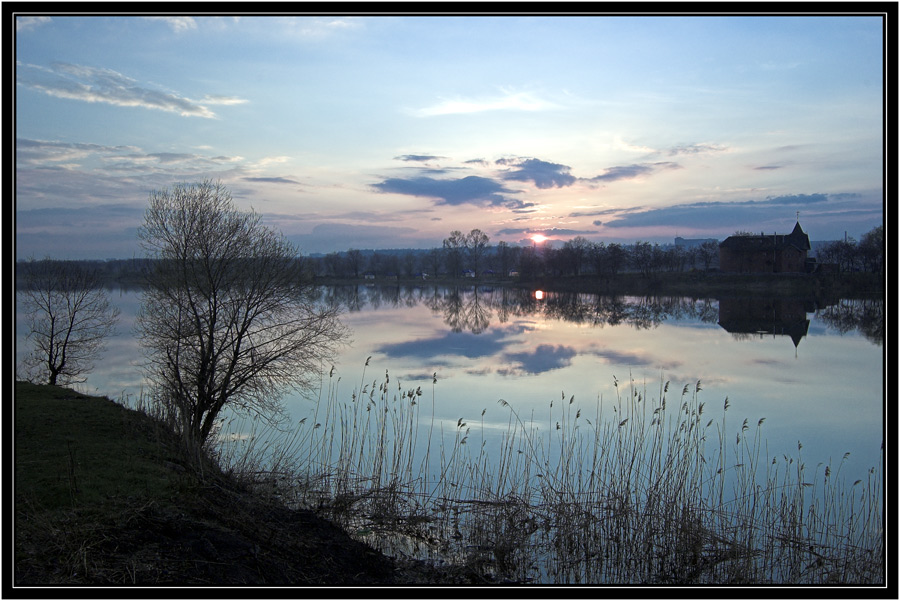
{"x": 637, "y": 490}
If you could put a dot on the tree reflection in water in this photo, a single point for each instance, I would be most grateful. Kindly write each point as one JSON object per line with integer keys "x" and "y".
{"x": 474, "y": 308}
{"x": 864, "y": 316}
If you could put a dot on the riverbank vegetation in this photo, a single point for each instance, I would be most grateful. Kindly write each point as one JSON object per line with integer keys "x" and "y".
{"x": 656, "y": 489}
{"x": 106, "y": 495}
{"x": 663, "y": 490}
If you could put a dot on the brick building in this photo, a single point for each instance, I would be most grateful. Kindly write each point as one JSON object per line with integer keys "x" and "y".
{"x": 773, "y": 253}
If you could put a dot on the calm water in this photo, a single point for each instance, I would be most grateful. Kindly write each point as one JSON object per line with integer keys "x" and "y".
{"x": 814, "y": 371}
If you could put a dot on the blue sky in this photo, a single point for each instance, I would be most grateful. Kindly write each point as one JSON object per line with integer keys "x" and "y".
{"x": 392, "y": 131}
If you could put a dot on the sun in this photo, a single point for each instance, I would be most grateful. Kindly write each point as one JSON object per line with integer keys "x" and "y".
{"x": 538, "y": 238}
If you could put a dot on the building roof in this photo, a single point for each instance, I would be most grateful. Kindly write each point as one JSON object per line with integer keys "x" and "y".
{"x": 797, "y": 238}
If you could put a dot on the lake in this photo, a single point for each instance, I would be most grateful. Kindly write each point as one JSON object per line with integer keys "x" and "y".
{"x": 474, "y": 413}
{"x": 814, "y": 371}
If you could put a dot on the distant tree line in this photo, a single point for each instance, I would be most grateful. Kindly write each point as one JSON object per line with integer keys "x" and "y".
{"x": 472, "y": 255}
{"x": 849, "y": 255}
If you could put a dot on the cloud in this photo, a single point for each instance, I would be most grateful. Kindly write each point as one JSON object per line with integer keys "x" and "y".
{"x": 468, "y": 190}
{"x": 453, "y": 344}
{"x": 272, "y": 180}
{"x": 795, "y": 199}
{"x": 178, "y": 24}
{"x": 625, "y": 358}
{"x": 94, "y": 84}
{"x": 26, "y": 23}
{"x": 633, "y": 171}
{"x": 223, "y": 100}
{"x": 72, "y": 155}
{"x": 749, "y": 214}
{"x": 597, "y": 213}
{"x": 418, "y": 157}
{"x": 543, "y": 174}
{"x": 50, "y": 173}
{"x": 546, "y": 357}
{"x": 315, "y": 27}
{"x": 695, "y": 149}
{"x": 40, "y": 152}
{"x": 549, "y": 232}
{"x": 516, "y": 101}
{"x": 92, "y": 232}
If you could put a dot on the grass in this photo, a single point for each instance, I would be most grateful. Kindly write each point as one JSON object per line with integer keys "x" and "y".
{"x": 106, "y": 495}
{"x": 642, "y": 491}
{"x": 69, "y": 455}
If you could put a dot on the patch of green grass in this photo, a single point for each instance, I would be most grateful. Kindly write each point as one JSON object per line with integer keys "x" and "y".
{"x": 75, "y": 450}
{"x": 104, "y": 495}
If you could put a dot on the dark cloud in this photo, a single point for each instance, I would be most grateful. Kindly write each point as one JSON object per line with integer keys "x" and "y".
{"x": 632, "y": 171}
{"x": 271, "y": 180}
{"x": 552, "y": 231}
{"x": 758, "y": 215}
{"x": 418, "y": 157}
{"x": 546, "y": 357}
{"x": 594, "y": 213}
{"x": 468, "y": 190}
{"x": 512, "y": 231}
{"x": 796, "y": 199}
{"x": 623, "y": 358}
{"x": 845, "y": 196}
{"x": 455, "y": 344}
{"x": 544, "y": 175}
{"x": 768, "y": 167}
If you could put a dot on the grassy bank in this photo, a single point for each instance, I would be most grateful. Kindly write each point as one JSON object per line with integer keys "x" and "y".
{"x": 659, "y": 490}
{"x": 105, "y": 495}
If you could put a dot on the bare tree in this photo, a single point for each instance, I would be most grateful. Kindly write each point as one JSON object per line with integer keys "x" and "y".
{"x": 642, "y": 257}
{"x": 453, "y": 249}
{"x": 69, "y": 317}
{"x": 226, "y": 320}
{"x": 433, "y": 261}
{"x": 575, "y": 252}
{"x": 871, "y": 250}
{"x": 476, "y": 243}
{"x": 354, "y": 258}
{"x": 708, "y": 253}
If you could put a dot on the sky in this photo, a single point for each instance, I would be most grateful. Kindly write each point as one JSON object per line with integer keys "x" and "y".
{"x": 392, "y": 131}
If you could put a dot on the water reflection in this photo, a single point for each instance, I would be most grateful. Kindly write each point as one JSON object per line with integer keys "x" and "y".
{"x": 473, "y": 309}
{"x": 746, "y": 318}
{"x": 864, "y": 316}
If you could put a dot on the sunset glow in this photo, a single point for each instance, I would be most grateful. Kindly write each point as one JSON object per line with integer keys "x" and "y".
{"x": 478, "y": 128}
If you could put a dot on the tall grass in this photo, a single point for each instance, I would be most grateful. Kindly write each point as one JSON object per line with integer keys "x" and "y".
{"x": 638, "y": 490}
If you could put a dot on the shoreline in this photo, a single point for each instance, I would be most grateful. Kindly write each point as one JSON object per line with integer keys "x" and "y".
{"x": 690, "y": 284}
